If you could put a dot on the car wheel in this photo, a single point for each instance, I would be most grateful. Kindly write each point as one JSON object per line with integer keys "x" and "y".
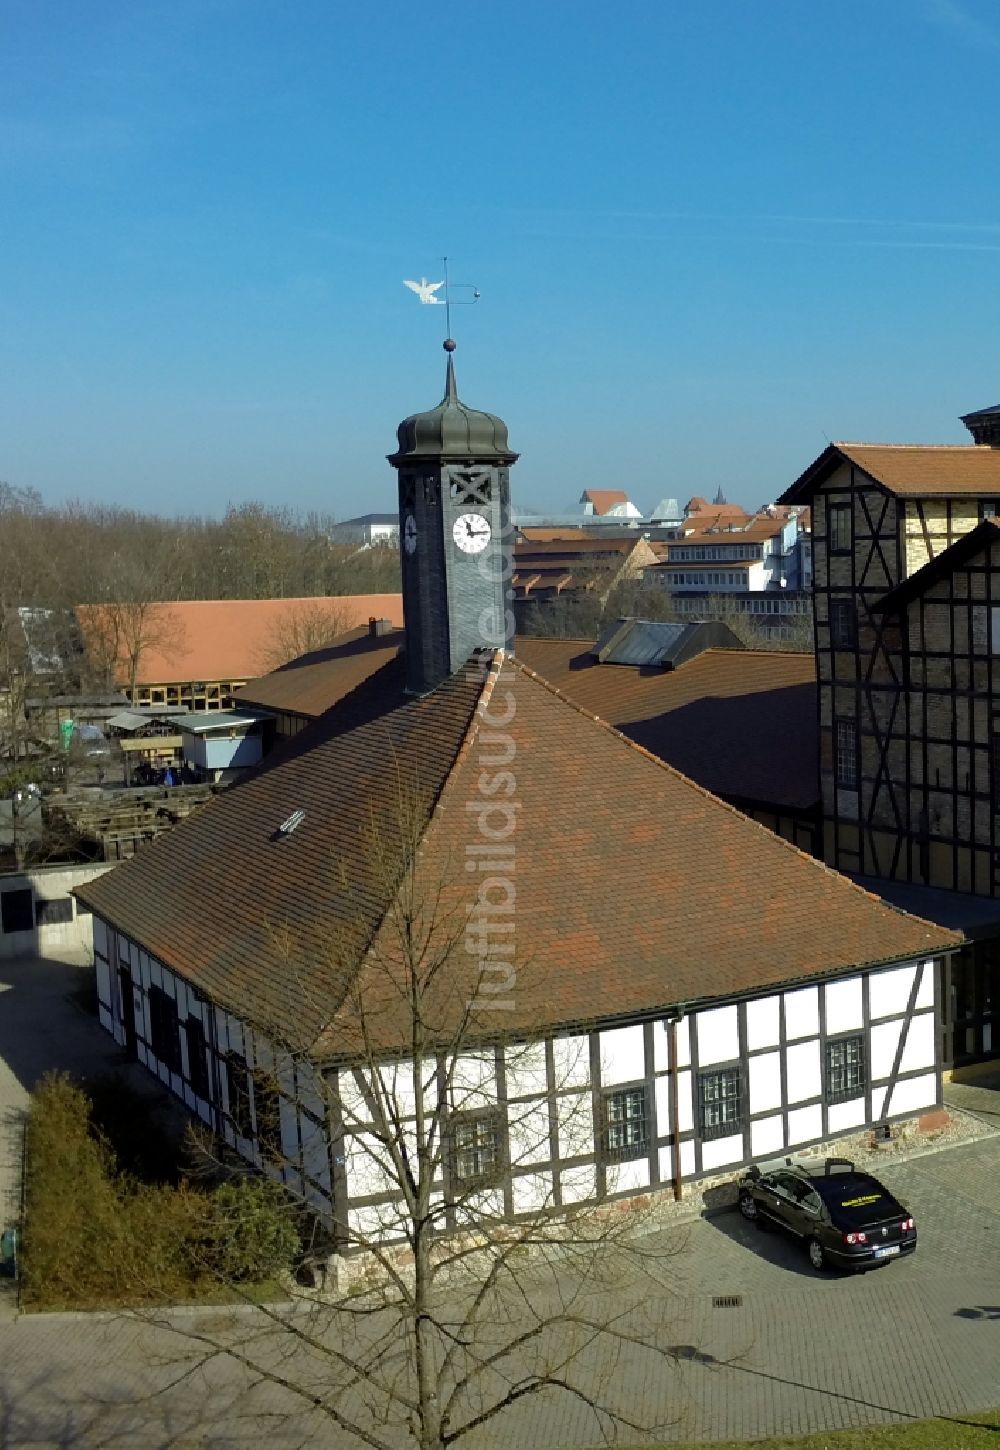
{"x": 748, "y": 1207}
{"x": 816, "y": 1255}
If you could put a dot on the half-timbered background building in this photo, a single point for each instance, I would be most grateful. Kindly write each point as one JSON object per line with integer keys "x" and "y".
{"x": 907, "y": 635}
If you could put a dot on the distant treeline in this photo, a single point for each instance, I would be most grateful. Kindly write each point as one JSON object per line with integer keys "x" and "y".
{"x": 56, "y": 557}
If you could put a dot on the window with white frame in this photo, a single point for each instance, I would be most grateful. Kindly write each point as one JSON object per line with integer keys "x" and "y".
{"x": 720, "y": 1102}
{"x": 475, "y": 1147}
{"x": 626, "y": 1124}
{"x": 845, "y": 1068}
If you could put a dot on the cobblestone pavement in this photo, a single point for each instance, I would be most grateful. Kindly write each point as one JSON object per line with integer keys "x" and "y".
{"x": 799, "y": 1351}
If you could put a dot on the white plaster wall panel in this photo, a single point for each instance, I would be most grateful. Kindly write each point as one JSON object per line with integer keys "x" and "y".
{"x": 397, "y": 1081}
{"x": 377, "y": 1222}
{"x": 685, "y": 1104}
{"x": 575, "y": 1117}
{"x": 152, "y": 973}
{"x": 913, "y": 1094}
{"x": 919, "y": 1048}
{"x": 842, "y": 1116}
{"x": 315, "y": 1151}
{"x": 571, "y": 1056}
{"x": 524, "y": 1068}
{"x": 353, "y": 1104}
{"x": 764, "y": 1078}
{"x": 661, "y": 1045}
{"x": 844, "y": 1006}
{"x": 528, "y": 1132}
{"x": 185, "y": 1055}
{"x": 367, "y": 1166}
{"x": 235, "y": 1032}
{"x": 767, "y": 1135}
{"x": 889, "y": 992}
{"x": 763, "y": 1022}
{"x": 288, "y": 1120}
{"x": 803, "y": 1071}
{"x": 718, "y": 1035}
{"x": 987, "y": 1037}
{"x": 925, "y": 992}
{"x": 310, "y": 1090}
{"x": 627, "y": 1177}
{"x": 662, "y": 1092}
{"x": 487, "y": 1204}
{"x": 666, "y": 1165}
{"x": 221, "y": 1034}
{"x": 805, "y": 1124}
{"x": 103, "y": 974}
{"x": 687, "y": 1158}
{"x": 878, "y": 1102}
{"x": 623, "y": 1056}
{"x": 684, "y": 1030}
{"x": 319, "y": 1201}
{"x": 474, "y": 1081}
{"x": 263, "y": 1054}
{"x": 717, "y": 1152}
{"x": 802, "y": 1013}
{"x": 100, "y": 936}
{"x": 884, "y": 1042}
{"x": 106, "y": 1020}
{"x": 531, "y": 1192}
{"x": 579, "y": 1183}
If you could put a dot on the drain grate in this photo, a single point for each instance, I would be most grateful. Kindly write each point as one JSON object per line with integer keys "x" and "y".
{"x": 727, "y": 1301}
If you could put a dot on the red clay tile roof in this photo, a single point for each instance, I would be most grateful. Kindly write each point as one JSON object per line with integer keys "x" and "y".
{"x": 604, "y": 499}
{"x": 909, "y": 470}
{"x": 311, "y": 684}
{"x": 616, "y": 854}
{"x": 230, "y": 639}
{"x": 742, "y": 723}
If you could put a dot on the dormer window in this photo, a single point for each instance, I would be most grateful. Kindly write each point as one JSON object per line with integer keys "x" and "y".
{"x": 989, "y": 508}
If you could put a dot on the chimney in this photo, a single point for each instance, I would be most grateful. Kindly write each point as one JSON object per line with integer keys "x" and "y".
{"x": 378, "y": 627}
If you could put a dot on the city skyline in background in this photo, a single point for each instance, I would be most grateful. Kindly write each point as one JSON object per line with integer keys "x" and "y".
{"x": 707, "y": 240}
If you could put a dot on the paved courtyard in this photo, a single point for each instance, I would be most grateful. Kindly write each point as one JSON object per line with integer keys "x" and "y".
{"x": 796, "y": 1351}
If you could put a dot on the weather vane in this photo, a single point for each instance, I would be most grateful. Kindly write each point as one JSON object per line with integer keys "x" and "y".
{"x": 427, "y": 292}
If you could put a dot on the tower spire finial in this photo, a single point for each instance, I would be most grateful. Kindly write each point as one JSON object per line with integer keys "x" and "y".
{"x": 450, "y": 388}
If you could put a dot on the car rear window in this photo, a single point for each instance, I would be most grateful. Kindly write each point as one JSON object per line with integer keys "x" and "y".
{"x": 856, "y": 1199}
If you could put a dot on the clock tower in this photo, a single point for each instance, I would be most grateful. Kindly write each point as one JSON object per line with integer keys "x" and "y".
{"x": 456, "y": 544}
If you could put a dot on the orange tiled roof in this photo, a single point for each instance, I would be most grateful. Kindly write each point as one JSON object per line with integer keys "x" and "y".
{"x": 313, "y": 683}
{"x": 604, "y": 499}
{"x": 231, "y": 639}
{"x": 742, "y": 723}
{"x": 910, "y": 470}
{"x": 616, "y": 855}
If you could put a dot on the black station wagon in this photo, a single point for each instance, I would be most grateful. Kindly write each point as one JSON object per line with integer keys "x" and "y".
{"x": 846, "y": 1219}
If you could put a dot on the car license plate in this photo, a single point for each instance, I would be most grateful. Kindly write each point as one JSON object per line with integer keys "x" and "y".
{"x": 887, "y": 1252}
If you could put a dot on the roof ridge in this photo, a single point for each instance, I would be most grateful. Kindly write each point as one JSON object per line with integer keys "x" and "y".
{"x": 716, "y": 800}
{"x": 916, "y": 447}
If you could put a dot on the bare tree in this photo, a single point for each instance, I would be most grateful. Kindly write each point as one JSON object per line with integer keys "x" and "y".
{"x": 462, "y": 1286}
{"x": 313, "y": 624}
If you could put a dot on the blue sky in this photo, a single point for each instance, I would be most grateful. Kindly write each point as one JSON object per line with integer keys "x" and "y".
{"x": 707, "y": 234}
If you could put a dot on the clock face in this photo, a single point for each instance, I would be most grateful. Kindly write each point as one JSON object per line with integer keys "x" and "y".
{"x": 409, "y": 533}
{"x": 471, "y": 533}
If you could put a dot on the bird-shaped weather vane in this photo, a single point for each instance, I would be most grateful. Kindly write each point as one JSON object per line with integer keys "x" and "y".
{"x": 427, "y": 292}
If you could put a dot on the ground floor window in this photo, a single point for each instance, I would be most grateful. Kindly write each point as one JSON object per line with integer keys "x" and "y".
{"x": 720, "y": 1103}
{"x": 626, "y": 1124}
{"x": 164, "y": 1032}
{"x": 845, "y": 1068}
{"x": 197, "y": 1059}
{"x": 475, "y": 1147}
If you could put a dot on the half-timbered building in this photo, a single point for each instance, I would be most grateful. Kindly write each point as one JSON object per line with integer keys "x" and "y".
{"x": 907, "y": 637}
{"x": 647, "y": 987}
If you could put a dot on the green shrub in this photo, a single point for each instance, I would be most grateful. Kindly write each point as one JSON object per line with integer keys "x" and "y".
{"x": 251, "y": 1231}
{"x": 95, "y": 1236}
